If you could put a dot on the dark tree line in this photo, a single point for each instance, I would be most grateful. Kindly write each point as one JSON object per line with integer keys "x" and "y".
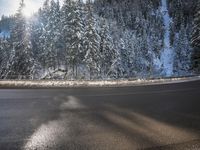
{"x": 196, "y": 39}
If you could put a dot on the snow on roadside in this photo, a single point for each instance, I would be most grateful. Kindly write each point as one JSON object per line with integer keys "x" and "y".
{"x": 74, "y": 84}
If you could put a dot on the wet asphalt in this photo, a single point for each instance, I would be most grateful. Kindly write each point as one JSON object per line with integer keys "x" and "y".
{"x": 154, "y": 117}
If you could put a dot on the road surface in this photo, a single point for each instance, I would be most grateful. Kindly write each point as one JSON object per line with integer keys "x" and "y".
{"x": 124, "y": 118}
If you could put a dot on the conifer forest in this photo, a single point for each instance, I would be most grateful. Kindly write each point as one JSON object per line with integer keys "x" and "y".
{"x": 101, "y": 40}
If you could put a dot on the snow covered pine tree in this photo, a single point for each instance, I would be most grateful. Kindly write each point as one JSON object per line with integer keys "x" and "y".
{"x": 22, "y": 66}
{"x": 196, "y": 39}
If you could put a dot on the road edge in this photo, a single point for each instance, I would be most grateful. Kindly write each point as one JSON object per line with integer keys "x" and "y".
{"x": 78, "y": 84}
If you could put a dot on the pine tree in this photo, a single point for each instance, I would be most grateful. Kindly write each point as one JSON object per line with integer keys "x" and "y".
{"x": 52, "y": 36}
{"x": 4, "y": 57}
{"x": 182, "y": 61}
{"x": 124, "y": 57}
{"x": 196, "y": 39}
{"x": 23, "y": 63}
{"x": 107, "y": 51}
{"x": 128, "y": 53}
{"x": 74, "y": 35}
{"x": 116, "y": 70}
{"x": 91, "y": 43}
{"x": 65, "y": 11}
{"x": 58, "y": 34}
{"x": 45, "y": 13}
{"x": 36, "y": 34}
{"x": 41, "y": 28}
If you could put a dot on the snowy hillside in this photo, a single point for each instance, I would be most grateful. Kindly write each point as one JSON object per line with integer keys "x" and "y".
{"x": 101, "y": 39}
{"x": 167, "y": 53}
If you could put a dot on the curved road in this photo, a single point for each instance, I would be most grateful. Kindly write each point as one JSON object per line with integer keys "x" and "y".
{"x": 155, "y": 117}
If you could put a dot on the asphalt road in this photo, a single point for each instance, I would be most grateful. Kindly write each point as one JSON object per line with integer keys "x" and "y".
{"x": 126, "y": 118}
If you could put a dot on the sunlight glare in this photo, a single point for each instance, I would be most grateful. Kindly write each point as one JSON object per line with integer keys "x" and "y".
{"x": 29, "y": 9}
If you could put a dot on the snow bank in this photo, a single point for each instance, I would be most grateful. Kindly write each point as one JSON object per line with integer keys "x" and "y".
{"x": 73, "y": 84}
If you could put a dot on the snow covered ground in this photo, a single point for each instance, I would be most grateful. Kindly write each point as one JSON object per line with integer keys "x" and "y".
{"x": 167, "y": 53}
{"x": 74, "y": 84}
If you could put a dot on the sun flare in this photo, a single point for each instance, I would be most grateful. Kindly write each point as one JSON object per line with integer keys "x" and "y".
{"x": 29, "y": 8}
